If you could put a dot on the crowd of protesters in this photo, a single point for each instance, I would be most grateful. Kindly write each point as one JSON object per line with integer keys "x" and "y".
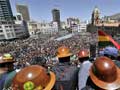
{"x": 84, "y": 75}
{"x": 25, "y": 50}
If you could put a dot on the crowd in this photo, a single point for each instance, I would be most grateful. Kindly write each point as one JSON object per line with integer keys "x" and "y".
{"x": 82, "y": 74}
{"x": 25, "y": 50}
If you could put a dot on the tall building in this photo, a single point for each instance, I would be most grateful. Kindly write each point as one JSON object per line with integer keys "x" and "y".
{"x": 23, "y": 9}
{"x": 56, "y": 16}
{"x": 109, "y": 25}
{"x": 95, "y": 16}
{"x": 21, "y": 29}
{"x": 6, "y": 21}
{"x": 5, "y": 11}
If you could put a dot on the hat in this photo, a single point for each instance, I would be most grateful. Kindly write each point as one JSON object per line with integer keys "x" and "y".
{"x": 5, "y": 58}
{"x": 112, "y": 51}
{"x": 105, "y": 74}
{"x": 83, "y": 53}
{"x": 63, "y": 52}
{"x": 34, "y": 76}
{"x": 101, "y": 53}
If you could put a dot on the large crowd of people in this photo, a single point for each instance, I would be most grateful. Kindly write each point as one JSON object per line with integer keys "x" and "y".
{"x": 25, "y": 50}
{"x": 25, "y": 65}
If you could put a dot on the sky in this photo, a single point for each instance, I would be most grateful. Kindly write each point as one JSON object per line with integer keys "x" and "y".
{"x": 41, "y": 9}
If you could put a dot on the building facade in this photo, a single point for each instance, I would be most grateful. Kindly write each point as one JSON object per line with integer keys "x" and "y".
{"x": 42, "y": 27}
{"x": 6, "y": 21}
{"x": 56, "y": 17}
{"x": 7, "y": 31}
{"x": 5, "y": 11}
{"x": 21, "y": 29}
{"x": 81, "y": 27}
{"x": 23, "y": 9}
{"x": 32, "y": 27}
{"x": 72, "y": 21}
{"x": 18, "y": 29}
{"x": 111, "y": 27}
{"x": 95, "y": 16}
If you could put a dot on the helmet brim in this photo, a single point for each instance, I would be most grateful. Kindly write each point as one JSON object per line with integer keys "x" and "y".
{"x": 64, "y": 55}
{"x": 51, "y": 82}
{"x": 105, "y": 85}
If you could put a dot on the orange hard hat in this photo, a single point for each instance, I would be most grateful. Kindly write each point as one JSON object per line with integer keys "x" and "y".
{"x": 63, "y": 51}
{"x": 105, "y": 74}
{"x": 33, "y": 77}
{"x": 83, "y": 53}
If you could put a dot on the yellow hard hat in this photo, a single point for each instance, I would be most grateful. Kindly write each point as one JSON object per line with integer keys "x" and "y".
{"x": 6, "y": 58}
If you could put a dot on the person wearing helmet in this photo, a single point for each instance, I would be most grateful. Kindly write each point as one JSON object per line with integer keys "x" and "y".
{"x": 6, "y": 71}
{"x": 34, "y": 77}
{"x": 83, "y": 55}
{"x": 85, "y": 65}
{"x": 103, "y": 75}
{"x": 66, "y": 73}
{"x": 112, "y": 53}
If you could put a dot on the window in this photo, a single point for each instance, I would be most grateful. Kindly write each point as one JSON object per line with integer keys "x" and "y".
{"x": 1, "y": 30}
{"x": 2, "y": 37}
{"x": 9, "y": 35}
{"x": 6, "y": 26}
{"x": 7, "y": 30}
{"x": 12, "y": 34}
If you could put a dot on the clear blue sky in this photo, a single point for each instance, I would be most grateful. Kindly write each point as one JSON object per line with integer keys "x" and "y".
{"x": 41, "y": 9}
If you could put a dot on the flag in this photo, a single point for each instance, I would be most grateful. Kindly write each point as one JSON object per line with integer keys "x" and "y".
{"x": 102, "y": 37}
{"x": 106, "y": 40}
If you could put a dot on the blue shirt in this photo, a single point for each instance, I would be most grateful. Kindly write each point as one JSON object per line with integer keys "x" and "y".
{"x": 83, "y": 74}
{"x": 6, "y": 79}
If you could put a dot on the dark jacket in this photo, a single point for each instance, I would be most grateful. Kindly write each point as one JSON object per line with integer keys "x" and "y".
{"x": 66, "y": 76}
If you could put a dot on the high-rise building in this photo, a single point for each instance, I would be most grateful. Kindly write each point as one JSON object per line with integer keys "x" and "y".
{"x": 5, "y": 11}
{"x": 6, "y": 21}
{"x": 23, "y": 9}
{"x": 56, "y": 16}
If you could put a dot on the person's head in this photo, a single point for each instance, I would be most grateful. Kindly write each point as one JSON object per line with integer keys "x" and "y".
{"x": 38, "y": 61}
{"x": 110, "y": 56}
{"x": 33, "y": 77}
{"x": 83, "y": 55}
{"x": 6, "y": 63}
{"x": 111, "y": 52}
{"x": 105, "y": 74}
{"x": 63, "y": 54}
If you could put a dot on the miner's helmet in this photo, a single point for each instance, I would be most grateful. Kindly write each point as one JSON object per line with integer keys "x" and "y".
{"x": 63, "y": 51}
{"x": 33, "y": 77}
{"x": 6, "y": 62}
{"x": 6, "y": 58}
{"x": 83, "y": 53}
{"x": 105, "y": 74}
